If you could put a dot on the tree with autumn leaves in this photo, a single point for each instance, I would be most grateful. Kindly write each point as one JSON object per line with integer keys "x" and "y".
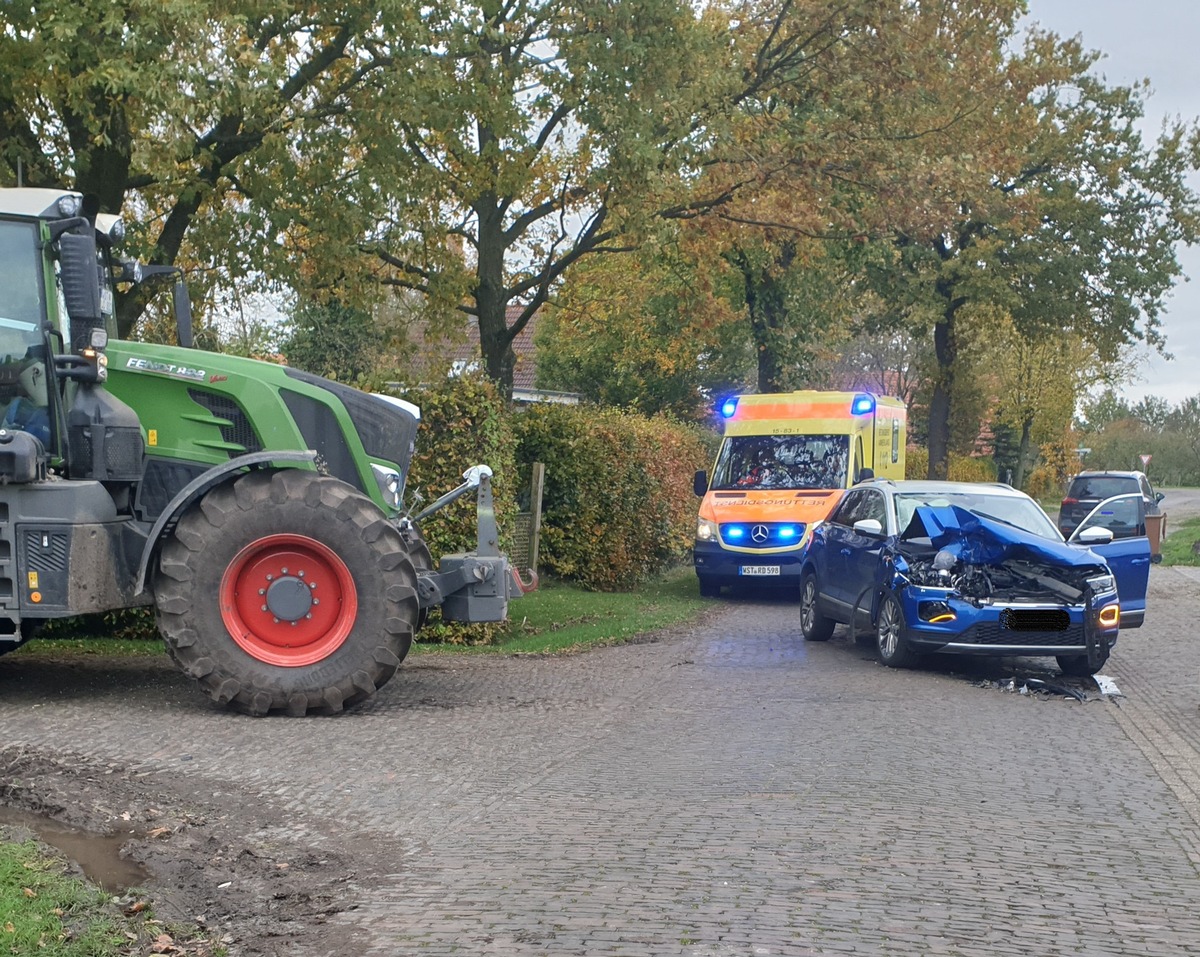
{"x": 861, "y": 167}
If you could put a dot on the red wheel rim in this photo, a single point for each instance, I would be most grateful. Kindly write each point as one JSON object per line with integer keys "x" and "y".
{"x": 288, "y": 600}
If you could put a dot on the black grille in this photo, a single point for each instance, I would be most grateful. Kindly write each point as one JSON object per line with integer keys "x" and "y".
{"x": 46, "y": 551}
{"x": 323, "y": 434}
{"x": 386, "y": 431}
{"x": 239, "y": 431}
{"x": 993, "y": 633}
{"x": 1035, "y": 619}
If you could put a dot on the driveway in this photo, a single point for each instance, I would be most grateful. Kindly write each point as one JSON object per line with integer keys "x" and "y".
{"x": 721, "y": 790}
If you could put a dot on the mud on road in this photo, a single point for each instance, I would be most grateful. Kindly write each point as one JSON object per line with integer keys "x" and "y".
{"x": 217, "y": 877}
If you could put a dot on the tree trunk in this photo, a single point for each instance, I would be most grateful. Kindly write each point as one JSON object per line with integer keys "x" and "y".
{"x": 491, "y": 298}
{"x": 945, "y": 346}
{"x": 1023, "y": 452}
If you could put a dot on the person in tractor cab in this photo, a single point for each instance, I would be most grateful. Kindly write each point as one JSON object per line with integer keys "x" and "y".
{"x": 29, "y": 410}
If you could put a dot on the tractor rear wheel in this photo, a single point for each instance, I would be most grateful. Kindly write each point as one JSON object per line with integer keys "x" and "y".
{"x": 286, "y": 591}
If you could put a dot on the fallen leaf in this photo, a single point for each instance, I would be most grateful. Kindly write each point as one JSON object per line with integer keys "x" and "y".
{"x": 136, "y": 908}
{"x": 29, "y": 892}
{"x": 159, "y": 832}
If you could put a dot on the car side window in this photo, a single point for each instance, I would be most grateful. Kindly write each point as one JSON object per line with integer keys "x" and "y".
{"x": 874, "y": 507}
{"x": 1123, "y": 518}
{"x": 1147, "y": 491}
{"x": 846, "y": 513}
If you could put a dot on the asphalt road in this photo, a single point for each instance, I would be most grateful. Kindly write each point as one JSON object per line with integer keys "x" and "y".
{"x": 724, "y": 790}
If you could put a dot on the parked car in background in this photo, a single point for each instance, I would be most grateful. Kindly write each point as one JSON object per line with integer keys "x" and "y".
{"x": 1089, "y": 489}
{"x": 973, "y": 568}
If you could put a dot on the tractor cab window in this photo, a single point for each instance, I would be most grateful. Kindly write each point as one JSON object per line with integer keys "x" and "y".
{"x": 21, "y": 292}
{"x": 24, "y": 398}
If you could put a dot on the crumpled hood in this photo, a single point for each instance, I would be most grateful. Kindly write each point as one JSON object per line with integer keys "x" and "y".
{"x": 980, "y": 541}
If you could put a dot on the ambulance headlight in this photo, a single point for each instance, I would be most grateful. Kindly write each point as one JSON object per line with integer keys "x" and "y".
{"x": 706, "y": 531}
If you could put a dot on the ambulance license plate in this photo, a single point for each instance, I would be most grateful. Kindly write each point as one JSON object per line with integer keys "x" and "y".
{"x": 759, "y": 570}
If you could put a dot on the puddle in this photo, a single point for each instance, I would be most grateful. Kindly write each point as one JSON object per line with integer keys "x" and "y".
{"x": 98, "y": 855}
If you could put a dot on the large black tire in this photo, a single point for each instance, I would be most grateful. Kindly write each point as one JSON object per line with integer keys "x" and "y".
{"x": 894, "y": 649}
{"x": 813, "y": 625}
{"x": 1077, "y": 666}
{"x": 237, "y": 594}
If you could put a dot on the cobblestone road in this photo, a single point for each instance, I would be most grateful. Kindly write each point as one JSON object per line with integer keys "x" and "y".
{"x": 724, "y": 791}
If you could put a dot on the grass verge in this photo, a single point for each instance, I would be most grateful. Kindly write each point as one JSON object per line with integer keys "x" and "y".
{"x": 45, "y": 911}
{"x": 560, "y": 616}
{"x": 1177, "y": 546}
{"x": 42, "y": 911}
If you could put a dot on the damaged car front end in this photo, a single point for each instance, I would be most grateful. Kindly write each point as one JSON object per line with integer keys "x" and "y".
{"x": 973, "y": 568}
{"x": 970, "y": 585}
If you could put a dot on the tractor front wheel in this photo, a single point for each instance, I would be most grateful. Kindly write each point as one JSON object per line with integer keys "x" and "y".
{"x": 286, "y": 591}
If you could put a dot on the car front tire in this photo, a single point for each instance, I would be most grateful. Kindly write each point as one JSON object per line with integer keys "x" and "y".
{"x": 890, "y": 642}
{"x": 813, "y": 625}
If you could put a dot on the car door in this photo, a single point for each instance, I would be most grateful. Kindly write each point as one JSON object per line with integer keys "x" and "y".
{"x": 837, "y": 531}
{"x": 1128, "y": 554}
{"x": 862, "y": 552}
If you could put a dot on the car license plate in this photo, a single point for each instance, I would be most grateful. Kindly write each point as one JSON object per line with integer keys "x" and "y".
{"x": 760, "y": 569}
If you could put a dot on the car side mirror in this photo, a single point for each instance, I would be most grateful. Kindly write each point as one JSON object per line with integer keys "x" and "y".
{"x": 700, "y": 482}
{"x": 1159, "y": 496}
{"x": 868, "y": 526}
{"x": 1094, "y": 535}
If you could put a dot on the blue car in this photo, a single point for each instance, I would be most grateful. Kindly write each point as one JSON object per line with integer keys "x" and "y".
{"x": 974, "y": 568}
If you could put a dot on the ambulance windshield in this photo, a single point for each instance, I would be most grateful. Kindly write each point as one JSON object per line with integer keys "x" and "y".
{"x": 782, "y": 462}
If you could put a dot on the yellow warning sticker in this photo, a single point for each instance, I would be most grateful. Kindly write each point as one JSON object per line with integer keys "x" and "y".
{"x": 33, "y": 579}
{"x": 152, "y": 436}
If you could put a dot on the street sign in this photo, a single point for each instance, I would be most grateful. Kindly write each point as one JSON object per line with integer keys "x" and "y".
{"x": 1145, "y": 459}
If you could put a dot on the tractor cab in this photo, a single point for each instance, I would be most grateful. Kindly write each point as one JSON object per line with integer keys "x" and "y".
{"x": 56, "y": 316}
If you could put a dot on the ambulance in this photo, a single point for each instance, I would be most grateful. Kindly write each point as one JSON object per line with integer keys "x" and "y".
{"x": 783, "y": 463}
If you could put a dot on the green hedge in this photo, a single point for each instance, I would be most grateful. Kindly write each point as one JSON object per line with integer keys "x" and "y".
{"x": 618, "y": 504}
{"x": 464, "y": 422}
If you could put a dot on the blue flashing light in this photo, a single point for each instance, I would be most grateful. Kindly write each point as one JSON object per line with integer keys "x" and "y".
{"x": 729, "y": 406}
{"x": 735, "y": 531}
{"x": 787, "y": 532}
{"x": 861, "y": 405}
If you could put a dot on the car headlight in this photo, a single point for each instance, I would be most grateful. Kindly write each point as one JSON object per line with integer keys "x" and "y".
{"x": 1103, "y": 585}
{"x": 706, "y": 531}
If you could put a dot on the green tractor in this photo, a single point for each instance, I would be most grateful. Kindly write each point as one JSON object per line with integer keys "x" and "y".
{"x": 258, "y": 508}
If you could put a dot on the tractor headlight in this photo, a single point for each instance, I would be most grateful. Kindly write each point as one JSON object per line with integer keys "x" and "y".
{"x": 389, "y": 484}
{"x": 706, "y": 531}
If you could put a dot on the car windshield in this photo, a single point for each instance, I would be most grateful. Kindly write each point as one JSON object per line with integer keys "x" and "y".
{"x": 782, "y": 462}
{"x": 1022, "y": 512}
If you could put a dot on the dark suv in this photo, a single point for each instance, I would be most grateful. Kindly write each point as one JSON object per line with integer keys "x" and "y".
{"x": 1089, "y": 489}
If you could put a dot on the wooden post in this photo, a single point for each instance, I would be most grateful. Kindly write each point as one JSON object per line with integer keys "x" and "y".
{"x": 535, "y": 508}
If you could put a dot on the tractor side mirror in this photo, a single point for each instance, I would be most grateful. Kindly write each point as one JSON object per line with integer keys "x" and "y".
{"x": 80, "y": 278}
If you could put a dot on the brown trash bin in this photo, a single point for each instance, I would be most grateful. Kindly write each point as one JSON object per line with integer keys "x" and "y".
{"x": 1156, "y": 531}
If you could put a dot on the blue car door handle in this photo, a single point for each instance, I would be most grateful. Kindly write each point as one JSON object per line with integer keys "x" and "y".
{"x": 1136, "y": 561}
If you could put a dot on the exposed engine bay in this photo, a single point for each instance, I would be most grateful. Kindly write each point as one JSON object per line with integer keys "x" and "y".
{"x": 985, "y": 561}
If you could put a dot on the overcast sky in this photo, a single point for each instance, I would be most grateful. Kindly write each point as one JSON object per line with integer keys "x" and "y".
{"x": 1154, "y": 40}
